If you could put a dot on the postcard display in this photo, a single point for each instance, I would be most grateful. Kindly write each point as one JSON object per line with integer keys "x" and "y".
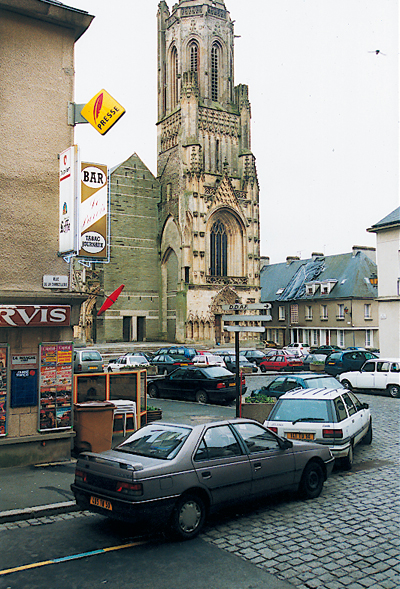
{"x": 3, "y": 389}
{"x": 55, "y": 394}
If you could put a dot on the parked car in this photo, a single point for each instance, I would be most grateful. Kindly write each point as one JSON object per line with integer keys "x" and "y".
{"x": 213, "y": 384}
{"x": 88, "y": 360}
{"x": 271, "y": 344}
{"x": 347, "y": 360}
{"x": 178, "y": 351}
{"x": 208, "y": 360}
{"x": 333, "y": 417}
{"x": 313, "y": 358}
{"x": 298, "y": 347}
{"x": 127, "y": 361}
{"x": 281, "y": 362}
{"x": 230, "y": 363}
{"x": 166, "y": 363}
{"x": 282, "y": 384}
{"x": 325, "y": 350}
{"x": 255, "y": 356}
{"x": 175, "y": 475}
{"x": 379, "y": 374}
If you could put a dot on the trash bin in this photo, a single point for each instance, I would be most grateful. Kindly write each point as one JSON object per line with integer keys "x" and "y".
{"x": 93, "y": 424}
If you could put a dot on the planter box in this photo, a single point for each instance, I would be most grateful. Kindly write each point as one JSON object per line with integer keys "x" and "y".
{"x": 153, "y": 415}
{"x": 257, "y": 411}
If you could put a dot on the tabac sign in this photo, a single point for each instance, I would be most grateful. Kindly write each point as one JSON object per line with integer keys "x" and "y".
{"x": 102, "y": 112}
{"x": 93, "y": 212}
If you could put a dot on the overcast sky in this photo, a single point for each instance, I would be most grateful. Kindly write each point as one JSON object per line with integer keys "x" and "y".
{"x": 325, "y": 109}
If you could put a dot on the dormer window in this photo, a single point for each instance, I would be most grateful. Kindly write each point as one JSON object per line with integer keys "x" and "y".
{"x": 327, "y": 286}
{"x": 279, "y": 291}
{"x": 311, "y": 288}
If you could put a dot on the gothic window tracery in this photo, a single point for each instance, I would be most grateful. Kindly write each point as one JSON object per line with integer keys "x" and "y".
{"x": 219, "y": 249}
{"x": 194, "y": 57}
{"x": 174, "y": 77}
{"x": 215, "y": 63}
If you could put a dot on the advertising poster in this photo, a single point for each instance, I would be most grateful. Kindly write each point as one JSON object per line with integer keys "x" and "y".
{"x": 3, "y": 390}
{"x": 55, "y": 386}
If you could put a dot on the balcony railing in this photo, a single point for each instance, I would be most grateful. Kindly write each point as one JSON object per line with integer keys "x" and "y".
{"x": 235, "y": 280}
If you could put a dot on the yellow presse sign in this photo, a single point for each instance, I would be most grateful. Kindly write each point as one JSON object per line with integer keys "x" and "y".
{"x": 102, "y": 111}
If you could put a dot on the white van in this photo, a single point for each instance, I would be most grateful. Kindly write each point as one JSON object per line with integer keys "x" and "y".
{"x": 377, "y": 374}
{"x": 208, "y": 360}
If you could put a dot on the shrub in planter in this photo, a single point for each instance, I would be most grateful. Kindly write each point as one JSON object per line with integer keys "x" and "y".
{"x": 153, "y": 413}
{"x": 258, "y": 406}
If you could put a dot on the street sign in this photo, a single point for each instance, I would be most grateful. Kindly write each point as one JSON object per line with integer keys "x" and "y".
{"x": 50, "y": 281}
{"x": 261, "y": 318}
{"x": 243, "y": 307}
{"x": 102, "y": 112}
{"x": 239, "y": 328}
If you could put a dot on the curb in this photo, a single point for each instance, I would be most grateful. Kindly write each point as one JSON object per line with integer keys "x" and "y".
{"x": 14, "y": 515}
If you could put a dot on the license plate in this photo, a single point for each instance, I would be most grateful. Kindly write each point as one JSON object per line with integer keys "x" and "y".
{"x": 100, "y": 503}
{"x": 92, "y": 367}
{"x": 299, "y": 436}
{"x": 232, "y": 384}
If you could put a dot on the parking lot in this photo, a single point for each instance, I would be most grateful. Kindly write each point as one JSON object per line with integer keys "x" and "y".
{"x": 347, "y": 538}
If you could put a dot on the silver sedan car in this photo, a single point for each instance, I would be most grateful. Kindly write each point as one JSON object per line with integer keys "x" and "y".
{"x": 177, "y": 474}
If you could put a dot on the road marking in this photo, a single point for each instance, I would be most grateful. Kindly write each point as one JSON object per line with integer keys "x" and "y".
{"x": 67, "y": 558}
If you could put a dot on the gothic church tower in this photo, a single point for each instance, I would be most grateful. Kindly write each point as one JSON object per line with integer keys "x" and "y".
{"x": 209, "y": 210}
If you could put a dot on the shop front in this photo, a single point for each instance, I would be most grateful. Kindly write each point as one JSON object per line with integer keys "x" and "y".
{"x": 36, "y": 383}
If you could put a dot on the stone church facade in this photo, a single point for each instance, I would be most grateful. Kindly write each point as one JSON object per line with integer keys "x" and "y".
{"x": 196, "y": 246}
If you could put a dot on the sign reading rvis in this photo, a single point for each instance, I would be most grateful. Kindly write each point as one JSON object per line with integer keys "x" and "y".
{"x": 35, "y": 315}
{"x": 102, "y": 112}
{"x": 93, "y": 213}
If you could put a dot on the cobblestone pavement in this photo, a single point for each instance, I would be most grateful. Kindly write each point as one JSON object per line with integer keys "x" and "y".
{"x": 348, "y": 537}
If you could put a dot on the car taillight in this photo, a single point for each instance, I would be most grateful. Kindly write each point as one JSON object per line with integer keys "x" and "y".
{"x": 80, "y": 476}
{"x": 221, "y": 385}
{"x": 273, "y": 429}
{"x": 130, "y": 488}
{"x": 79, "y": 367}
{"x": 332, "y": 433}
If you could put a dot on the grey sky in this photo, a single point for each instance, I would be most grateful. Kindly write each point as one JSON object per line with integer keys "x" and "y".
{"x": 324, "y": 109}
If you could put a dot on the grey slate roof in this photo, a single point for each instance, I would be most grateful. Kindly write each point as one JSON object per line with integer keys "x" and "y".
{"x": 390, "y": 220}
{"x": 351, "y": 272}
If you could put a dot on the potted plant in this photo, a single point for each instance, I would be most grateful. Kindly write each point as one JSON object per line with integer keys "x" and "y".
{"x": 317, "y": 366}
{"x": 257, "y": 406}
{"x": 153, "y": 413}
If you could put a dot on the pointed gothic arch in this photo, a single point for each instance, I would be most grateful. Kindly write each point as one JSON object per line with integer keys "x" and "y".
{"x": 226, "y": 244}
{"x": 174, "y": 77}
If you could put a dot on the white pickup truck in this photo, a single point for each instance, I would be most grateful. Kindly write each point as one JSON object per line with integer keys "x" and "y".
{"x": 379, "y": 374}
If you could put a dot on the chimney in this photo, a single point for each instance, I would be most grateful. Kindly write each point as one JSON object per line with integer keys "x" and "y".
{"x": 370, "y": 252}
{"x": 291, "y": 259}
{"x": 316, "y": 255}
{"x": 264, "y": 261}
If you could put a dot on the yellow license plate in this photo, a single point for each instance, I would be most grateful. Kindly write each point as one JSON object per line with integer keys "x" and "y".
{"x": 299, "y": 436}
{"x": 232, "y": 384}
{"x": 100, "y": 503}
{"x": 92, "y": 367}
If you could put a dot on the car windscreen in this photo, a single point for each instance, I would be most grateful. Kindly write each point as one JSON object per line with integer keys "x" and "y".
{"x": 91, "y": 356}
{"x": 155, "y": 441}
{"x": 216, "y": 371}
{"x": 296, "y": 410}
{"x": 327, "y": 382}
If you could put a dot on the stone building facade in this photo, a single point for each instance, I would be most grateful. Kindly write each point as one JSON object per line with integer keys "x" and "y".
{"x": 201, "y": 240}
{"x": 323, "y": 300}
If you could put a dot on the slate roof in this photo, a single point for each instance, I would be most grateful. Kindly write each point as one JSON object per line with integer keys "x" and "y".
{"x": 390, "y": 220}
{"x": 350, "y": 272}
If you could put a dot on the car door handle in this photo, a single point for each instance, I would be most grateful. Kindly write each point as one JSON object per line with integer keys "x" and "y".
{"x": 257, "y": 465}
{"x": 206, "y": 474}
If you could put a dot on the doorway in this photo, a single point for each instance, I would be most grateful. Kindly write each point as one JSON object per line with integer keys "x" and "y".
{"x": 141, "y": 329}
{"x": 127, "y": 329}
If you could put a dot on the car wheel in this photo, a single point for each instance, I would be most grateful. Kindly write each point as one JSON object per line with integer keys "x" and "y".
{"x": 348, "y": 460}
{"x": 262, "y": 368}
{"x": 394, "y": 390}
{"x": 347, "y": 384}
{"x": 201, "y": 397}
{"x": 152, "y": 391}
{"x": 312, "y": 481}
{"x": 367, "y": 439}
{"x": 188, "y": 517}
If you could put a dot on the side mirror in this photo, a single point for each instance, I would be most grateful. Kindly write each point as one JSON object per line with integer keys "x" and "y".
{"x": 285, "y": 444}
{"x": 365, "y": 406}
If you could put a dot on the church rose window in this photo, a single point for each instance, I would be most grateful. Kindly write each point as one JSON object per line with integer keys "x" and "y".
{"x": 219, "y": 250}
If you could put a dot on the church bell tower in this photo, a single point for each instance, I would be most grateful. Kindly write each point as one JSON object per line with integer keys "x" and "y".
{"x": 209, "y": 211}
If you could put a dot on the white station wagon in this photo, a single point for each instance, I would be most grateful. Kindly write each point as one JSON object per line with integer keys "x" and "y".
{"x": 378, "y": 374}
{"x": 333, "y": 417}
